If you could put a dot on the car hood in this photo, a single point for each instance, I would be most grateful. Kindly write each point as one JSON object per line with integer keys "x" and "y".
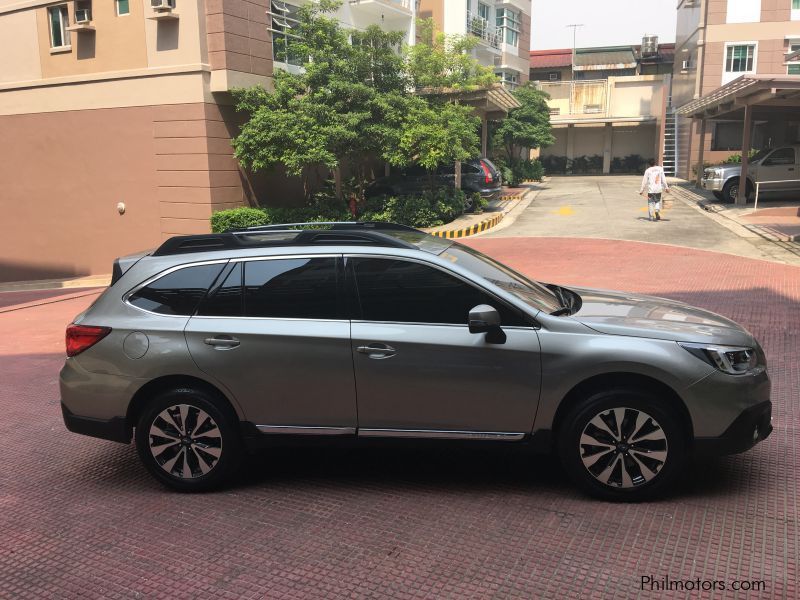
{"x": 619, "y": 313}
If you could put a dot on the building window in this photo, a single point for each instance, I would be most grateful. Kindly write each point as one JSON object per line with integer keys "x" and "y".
{"x": 509, "y": 80}
{"x": 794, "y": 66}
{"x": 284, "y": 20}
{"x": 740, "y": 59}
{"x": 744, "y": 11}
{"x": 508, "y": 23}
{"x": 554, "y": 76}
{"x": 58, "y": 17}
{"x": 123, "y": 7}
{"x": 795, "y": 10}
{"x": 483, "y": 11}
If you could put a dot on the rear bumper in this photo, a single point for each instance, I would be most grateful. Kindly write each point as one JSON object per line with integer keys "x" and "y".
{"x": 115, "y": 429}
{"x": 750, "y": 427}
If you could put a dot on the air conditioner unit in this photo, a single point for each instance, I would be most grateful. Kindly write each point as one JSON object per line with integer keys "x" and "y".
{"x": 162, "y": 5}
{"x": 686, "y": 65}
{"x": 82, "y": 15}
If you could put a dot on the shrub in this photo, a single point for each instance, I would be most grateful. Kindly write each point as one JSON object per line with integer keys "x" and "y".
{"x": 537, "y": 171}
{"x": 429, "y": 209}
{"x": 735, "y": 159}
{"x": 555, "y": 164}
{"x": 237, "y": 218}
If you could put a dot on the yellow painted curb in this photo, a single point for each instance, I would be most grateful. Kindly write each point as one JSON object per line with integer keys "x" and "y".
{"x": 472, "y": 229}
{"x": 512, "y": 197}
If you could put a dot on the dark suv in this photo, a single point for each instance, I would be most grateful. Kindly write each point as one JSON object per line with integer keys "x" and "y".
{"x": 477, "y": 175}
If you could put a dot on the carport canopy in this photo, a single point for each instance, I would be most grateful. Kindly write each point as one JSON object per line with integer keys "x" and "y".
{"x": 748, "y": 98}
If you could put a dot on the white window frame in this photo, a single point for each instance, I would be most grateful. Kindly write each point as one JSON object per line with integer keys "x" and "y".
{"x": 116, "y": 9}
{"x": 728, "y": 76}
{"x": 63, "y": 11}
{"x": 794, "y": 46}
{"x": 795, "y": 11}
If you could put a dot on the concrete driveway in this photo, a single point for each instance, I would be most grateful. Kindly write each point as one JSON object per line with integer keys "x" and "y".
{"x": 611, "y": 208}
{"x": 81, "y": 519}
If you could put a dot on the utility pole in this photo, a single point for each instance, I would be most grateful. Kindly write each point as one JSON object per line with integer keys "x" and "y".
{"x": 574, "y": 49}
{"x": 574, "y": 40}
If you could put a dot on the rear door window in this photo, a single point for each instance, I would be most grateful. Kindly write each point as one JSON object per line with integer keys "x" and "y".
{"x": 177, "y": 292}
{"x": 284, "y": 288}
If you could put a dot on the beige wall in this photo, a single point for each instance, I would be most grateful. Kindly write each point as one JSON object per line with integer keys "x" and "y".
{"x": 19, "y": 47}
{"x": 117, "y": 43}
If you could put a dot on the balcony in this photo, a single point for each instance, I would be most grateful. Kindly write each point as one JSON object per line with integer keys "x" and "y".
{"x": 383, "y": 10}
{"x": 486, "y": 33}
{"x": 633, "y": 99}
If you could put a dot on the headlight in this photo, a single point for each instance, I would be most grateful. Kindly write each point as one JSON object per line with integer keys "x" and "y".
{"x": 734, "y": 360}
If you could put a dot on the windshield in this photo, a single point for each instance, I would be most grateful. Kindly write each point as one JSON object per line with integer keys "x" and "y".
{"x": 531, "y": 292}
{"x": 760, "y": 155}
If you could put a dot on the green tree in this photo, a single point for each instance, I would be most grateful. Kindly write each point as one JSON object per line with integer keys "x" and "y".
{"x": 328, "y": 113}
{"x": 527, "y": 126}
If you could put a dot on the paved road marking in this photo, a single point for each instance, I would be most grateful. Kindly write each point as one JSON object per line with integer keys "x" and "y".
{"x": 565, "y": 211}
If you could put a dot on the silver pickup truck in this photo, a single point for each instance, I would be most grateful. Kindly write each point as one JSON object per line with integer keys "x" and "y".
{"x": 772, "y": 165}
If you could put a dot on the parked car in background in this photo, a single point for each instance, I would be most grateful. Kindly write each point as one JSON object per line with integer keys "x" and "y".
{"x": 477, "y": 175}
{"x": 214, "y": 344}
{"x": 770, "y": 165}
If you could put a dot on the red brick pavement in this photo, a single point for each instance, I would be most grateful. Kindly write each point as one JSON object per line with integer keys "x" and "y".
{"x": 79, "y": 518}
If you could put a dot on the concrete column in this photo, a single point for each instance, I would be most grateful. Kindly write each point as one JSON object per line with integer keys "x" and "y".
{"x": 608, "y": 137}
{"x": 484, "y": 135}
{"x": 741, "y": 198}
{"x": 701, "y": 153}
{"x": 570, "y": 145}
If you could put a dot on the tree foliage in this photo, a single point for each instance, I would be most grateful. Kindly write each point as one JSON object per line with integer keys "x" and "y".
{"x": 525, "y": 127}
{"x": 354, "y": 98}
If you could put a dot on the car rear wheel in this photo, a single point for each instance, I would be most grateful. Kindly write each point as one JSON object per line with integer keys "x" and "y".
{"x": 469, "y": 203}
{"x": 187, "y": 441}
{"x": 622, "y": 445}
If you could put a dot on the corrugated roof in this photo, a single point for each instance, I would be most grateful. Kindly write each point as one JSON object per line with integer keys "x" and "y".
{"x": 549, "y": 59}
{"x": 610, "y": 59}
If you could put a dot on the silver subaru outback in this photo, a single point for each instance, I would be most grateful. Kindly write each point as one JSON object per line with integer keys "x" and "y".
{"x": 213, "y": 345}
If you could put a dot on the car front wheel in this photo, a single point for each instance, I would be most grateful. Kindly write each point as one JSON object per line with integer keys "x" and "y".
{"x": 622, "y": 445}
{"x": 186, "y": 441}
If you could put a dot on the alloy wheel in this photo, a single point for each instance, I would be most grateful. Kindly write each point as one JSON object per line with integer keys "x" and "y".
{"x": 185, "y": 441}
{"x": 623, "y": 447}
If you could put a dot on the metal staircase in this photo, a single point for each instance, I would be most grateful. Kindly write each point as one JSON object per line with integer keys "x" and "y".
{"x": 670, "y": 141}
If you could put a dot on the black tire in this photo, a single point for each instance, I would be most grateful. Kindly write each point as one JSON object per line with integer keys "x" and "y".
{"x": 206, "y": 457}
{"x": 731, "y": 189}
{"x": 469, "y": 203}
{"x": 718, "y": 195}
{"x": 632, "y": 469}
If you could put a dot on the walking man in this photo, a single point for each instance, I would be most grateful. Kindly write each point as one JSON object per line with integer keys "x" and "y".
{"x": 655, "y": 180}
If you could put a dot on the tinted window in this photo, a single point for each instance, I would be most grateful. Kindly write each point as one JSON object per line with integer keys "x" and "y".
{"x": 409, "y": 292}
{"x": 301, "y": 288}
{"x": 177, "y": 293}
{"x": 225, "y": 298}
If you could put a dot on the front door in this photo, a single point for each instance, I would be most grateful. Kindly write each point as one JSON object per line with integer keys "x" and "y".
{"x": 778, "y": 167}
{"x": 274, "y": 333}
{"x": 420, "y": 372}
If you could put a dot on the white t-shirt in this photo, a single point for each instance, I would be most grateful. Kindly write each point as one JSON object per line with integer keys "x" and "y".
{"x": 655, "y": 180}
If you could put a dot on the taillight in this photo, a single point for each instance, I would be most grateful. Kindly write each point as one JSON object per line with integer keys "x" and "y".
{"x": 82, "y": 337}
{"x": 487, "y": 173}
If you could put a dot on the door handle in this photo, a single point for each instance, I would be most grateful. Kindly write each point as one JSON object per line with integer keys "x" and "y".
{"x": 377, "y": 351}
{"x": 225, "y": 342}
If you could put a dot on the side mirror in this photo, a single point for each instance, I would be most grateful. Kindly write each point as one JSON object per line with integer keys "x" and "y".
{"x": 485, "y": 319}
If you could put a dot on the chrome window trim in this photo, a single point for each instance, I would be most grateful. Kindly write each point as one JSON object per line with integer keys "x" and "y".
{"x": 304, "y": 430}
{"x": 270, "y": 318}
{"x": 127, "y": 295}
{"x": 447, "y": 272}
{"x": 440, "y": 434}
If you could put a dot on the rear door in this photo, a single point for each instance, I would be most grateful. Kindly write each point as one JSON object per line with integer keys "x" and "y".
{"x": 779, "y": 167}
{"x": 273, "y": 331}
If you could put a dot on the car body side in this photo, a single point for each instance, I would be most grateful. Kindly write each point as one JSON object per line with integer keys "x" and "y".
{"x": 105, "y": 383}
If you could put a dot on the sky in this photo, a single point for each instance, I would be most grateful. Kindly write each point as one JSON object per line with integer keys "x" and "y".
{"x": 605, "y": 22}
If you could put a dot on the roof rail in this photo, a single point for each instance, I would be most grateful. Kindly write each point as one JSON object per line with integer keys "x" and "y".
{"x": 354, "y": 233}
{"x": 376, "y": 225}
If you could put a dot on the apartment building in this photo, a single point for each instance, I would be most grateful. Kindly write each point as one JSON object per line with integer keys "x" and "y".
{"x": 717, "y": 42}
{"x": 503, "y": 29}
{"x": 607, "y": 105}
{"x": 116, "y": 120}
